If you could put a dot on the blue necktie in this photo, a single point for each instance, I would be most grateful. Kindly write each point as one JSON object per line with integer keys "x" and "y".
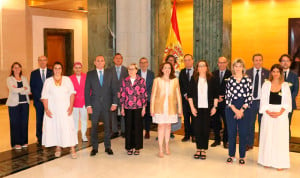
{"x": 101, "y": 77}
{"x": 118, "y": 72}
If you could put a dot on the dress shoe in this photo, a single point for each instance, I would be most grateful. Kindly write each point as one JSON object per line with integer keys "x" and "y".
{"x": 114, "y": 135}
{"x": 193, "y": 139}
{"x": 93, "y": 152}
{"x": 109, "y": 151}
{"x": 123, "y": 135}
{"x": 215, "y": 144}
{"x": 147, "y": 135}
{"x": 172, "y": 136}
{"x": 85, "y": 139}
{"x": 225, "y": 145}
{"x": 185, "y": 139}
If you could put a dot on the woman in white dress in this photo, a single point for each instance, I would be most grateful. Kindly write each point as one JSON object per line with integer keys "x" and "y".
{"x": 58, "y": 97}
{"x": 275, "y": 106}
{"x": 165, "y": 105}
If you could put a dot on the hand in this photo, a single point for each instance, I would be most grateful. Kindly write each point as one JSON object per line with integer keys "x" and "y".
{"x": 186, "y": 97}
{"x": 122, "y": 112}
{"x": 25, "y": 88}
{"x": 152, "y": 114}
{"x": 194, "y": 111}
{"x": 89, "y": 110}
{"x": 48, "y": 113}
{"x": 275, "y": 114}
{"x": 143, "y": 112}
{"x": 70, "y": 111}
{"x": 179, "y": 114}
{"x": 118, "y": 94}
{"x": 238, "y": 114}
{"x": 113, "y": 107}
{"x": 220, "y": 98}
{"x": 213, "y": 111}
{"x": 14, "y": 86}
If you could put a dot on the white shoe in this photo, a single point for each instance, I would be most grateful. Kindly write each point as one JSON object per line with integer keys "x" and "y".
{"x": 25, "y": 146}
{"x": 84, "y": 139}
{"x": 17, "y": 147}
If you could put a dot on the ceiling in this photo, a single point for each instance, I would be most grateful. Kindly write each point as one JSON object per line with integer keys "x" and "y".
{"x": 65, "y": 5}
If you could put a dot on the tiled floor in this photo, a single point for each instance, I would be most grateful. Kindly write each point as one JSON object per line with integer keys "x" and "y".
{"x": 179, "y": 164}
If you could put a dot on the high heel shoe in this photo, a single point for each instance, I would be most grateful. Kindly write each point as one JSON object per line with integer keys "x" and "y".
{"x": 161, "y": 154}
{"x": 203, "y": 156}
{"x": 197, "y": 155}
{"x": 57, "y": 153}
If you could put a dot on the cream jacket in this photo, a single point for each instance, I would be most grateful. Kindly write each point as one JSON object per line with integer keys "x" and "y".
{"x": 13, "y": 96}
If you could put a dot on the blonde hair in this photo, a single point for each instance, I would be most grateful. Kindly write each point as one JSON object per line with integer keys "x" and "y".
{"x": 134, "y": 65}
{"x": 238, "y": 61}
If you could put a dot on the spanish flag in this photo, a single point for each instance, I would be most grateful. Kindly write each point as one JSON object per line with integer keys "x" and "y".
{"x": 173, "y": 45}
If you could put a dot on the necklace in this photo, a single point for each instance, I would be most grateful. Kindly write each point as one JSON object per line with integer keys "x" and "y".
{"x": 57, "y": 82}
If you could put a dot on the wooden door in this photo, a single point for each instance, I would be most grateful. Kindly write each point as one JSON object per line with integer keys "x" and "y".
{"x": 56, "y": 50}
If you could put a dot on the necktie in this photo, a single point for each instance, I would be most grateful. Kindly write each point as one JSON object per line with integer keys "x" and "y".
{"x": 188, "y": 74}
{"x": 221, "y": 76}
{"x": 118, "y": 72}
{"x": 43, "y": 75}
{"x": 255, "y": 93}
{"x": 285, "y": 75}
{"x": 101, "y": 77}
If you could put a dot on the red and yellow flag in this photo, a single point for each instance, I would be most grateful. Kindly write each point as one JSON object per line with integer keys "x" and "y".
{"x": 173, "y": 45}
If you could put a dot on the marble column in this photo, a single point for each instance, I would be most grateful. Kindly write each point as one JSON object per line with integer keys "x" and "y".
{"x": 101, "y": 30}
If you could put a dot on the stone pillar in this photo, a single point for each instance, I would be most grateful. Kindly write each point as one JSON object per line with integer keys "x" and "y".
{"x": 133, "y": 30}
{"x": 212, "y": 37}
{"x": 101, "y": 30}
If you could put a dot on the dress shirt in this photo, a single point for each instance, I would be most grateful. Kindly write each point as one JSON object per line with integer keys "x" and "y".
{"x": 45, "y": 73}
{"x": 202, "y": 93}
{"x": 144, "y": 75}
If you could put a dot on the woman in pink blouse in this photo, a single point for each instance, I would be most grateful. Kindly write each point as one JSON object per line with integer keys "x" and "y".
{"x": 133, "y": 99}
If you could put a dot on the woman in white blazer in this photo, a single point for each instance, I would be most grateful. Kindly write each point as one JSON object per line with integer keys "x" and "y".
{"x": 18, "y": 106}
{"x": 275, "y": 105}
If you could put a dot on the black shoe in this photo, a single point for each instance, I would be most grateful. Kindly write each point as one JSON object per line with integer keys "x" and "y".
{"x": 109, "y": 151}
{"x": 123, "y": 135}
{"x": 225, "y": 145}
{"x": 193, "y": 139}
{"x": 185, "y": 139}
{"x": 93, "y": 152}
{"x": 202, "y": 156}
{"x": 172, "y": 136}
{"x": 197, "y": 155}
{"x": 114, "y": 135}
{"x": 242, "y": 161}
{"x": 215, "y": 144}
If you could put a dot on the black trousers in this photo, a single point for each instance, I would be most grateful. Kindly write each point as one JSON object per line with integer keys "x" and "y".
{"x": 39, "y": 108}
{"x": 201, "y": 128}
{"x": 134, "y": 129}
{"x": 147, "y": 118}
{"x": 188, "y": 131}
{"x": 18, "y": 116}
{"x": 217, "y": 125}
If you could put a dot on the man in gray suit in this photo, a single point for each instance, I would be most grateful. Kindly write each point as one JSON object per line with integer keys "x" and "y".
{"x": 100, "y": 98}
{"x": 257, "y": 74}
{"x": 119, "y": 72}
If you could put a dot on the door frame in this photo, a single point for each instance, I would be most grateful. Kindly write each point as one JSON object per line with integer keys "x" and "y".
{"x": 69, "y": 46}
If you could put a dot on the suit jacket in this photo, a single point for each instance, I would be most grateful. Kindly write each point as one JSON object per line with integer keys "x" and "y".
{"x": 293, "y": 82}
{"x": 159, "y": 95}
{"x": 149, "y": 82}
{"x": 212, "y": 91}
{"x": 79, "y": 88}
{"x": 97, "y": 96}
{"x": 13, "y": 96}
{"x": 184, "y": 83}
{"x": 264, "y": 75}
{"x": 222, "y": 85}
{"x": 36, "y": 83}
{"x": 118, "y": 82}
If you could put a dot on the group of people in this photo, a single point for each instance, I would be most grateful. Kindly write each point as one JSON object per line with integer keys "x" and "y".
{"x": 135, "y": 98}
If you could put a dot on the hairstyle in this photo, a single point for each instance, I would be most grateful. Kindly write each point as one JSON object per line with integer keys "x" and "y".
{"x": 58, "y": 63}
{"x": 279, "y": 67}
{"x": 196, "y": 73}
{"x": 118, "y": 54}
{"x": 160, "y": 72}
{"x": 134, "y": 65}
{"x": 257, "y": 54}
{"x": 42, "y": 56}
{"x": 142, "y": 58}
{"x": 12, "y": 66}
{"x": 285, "y": 55}
{"x": 171, "y": 56}
{"x": 77, "y": 63}
{"x": 238, "y": 61}
{"x": 188, "y": 55}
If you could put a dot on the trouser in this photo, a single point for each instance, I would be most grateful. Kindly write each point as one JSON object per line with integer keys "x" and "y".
{"x": 217, "y": 125}
{"x": 188, "y": 131}
{"x": 114, "y": 121}
{"x": 147, "y": 118}
{"x": 235, "y": 126}
{"x": 134, "y": 129}
{"x": 201, "y": 128}
{"x": 97, "y": 116}
{"x": 82, "y": 114}
{"x": 18, "y": 116}
{"x": 253, "y": 112}
{"x": 39, "y": 108}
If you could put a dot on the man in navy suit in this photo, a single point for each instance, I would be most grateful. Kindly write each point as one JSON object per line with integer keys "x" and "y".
{"x": 221, "y": 75}
{"x": 184, "y": 81}
{"x": 119, "y": 72}
{"x": 292, "y": 78}
{"x": 148, "y": 75}
{"x": 258, "y": 75}
{"x": 37, "y": 79}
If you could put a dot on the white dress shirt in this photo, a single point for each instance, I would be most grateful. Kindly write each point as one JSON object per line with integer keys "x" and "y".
{"x": 144, "y": 75}
{"x": 45, "y": 72}
{"x": 202, "y": 93}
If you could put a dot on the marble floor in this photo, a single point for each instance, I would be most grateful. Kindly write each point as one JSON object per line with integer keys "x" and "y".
{"x": 179, "y": 164}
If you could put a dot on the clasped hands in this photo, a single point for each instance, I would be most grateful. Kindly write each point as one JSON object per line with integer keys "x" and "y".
{"x": 274, "y": 114}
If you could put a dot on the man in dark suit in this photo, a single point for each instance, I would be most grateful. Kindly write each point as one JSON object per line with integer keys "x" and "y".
{"x": 148, "y": 75}
{"x": 184, "y": 81}
{"x": 258, "y": 75}
{"x": 221, "y": 75}
{"x": 119, "y": 72}
{"x": 293, "y": 80}
{"x": 37, "y": 79}
{"x": 100, "y": 98}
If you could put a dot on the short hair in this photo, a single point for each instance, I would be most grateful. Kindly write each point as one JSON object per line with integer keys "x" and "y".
{"x": 58, "y": 63}
{"x": 160, "y": 72}
{"x": 285, "y": 55}
{"x": 238, "y": 61}
{"x": 134, "y": 65}
{"x": 77, "y": 63}
{"x": 118, "y": 54}
{"x": 142, "y": 58}
{"x": 257, "y": 54}
{"x": 279, "y": 67}
{"x": 12, "y": 66}
{"x": 188, "y": 55}
{"x": 171, "y": 56}
{"x": 42, "y": 56}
